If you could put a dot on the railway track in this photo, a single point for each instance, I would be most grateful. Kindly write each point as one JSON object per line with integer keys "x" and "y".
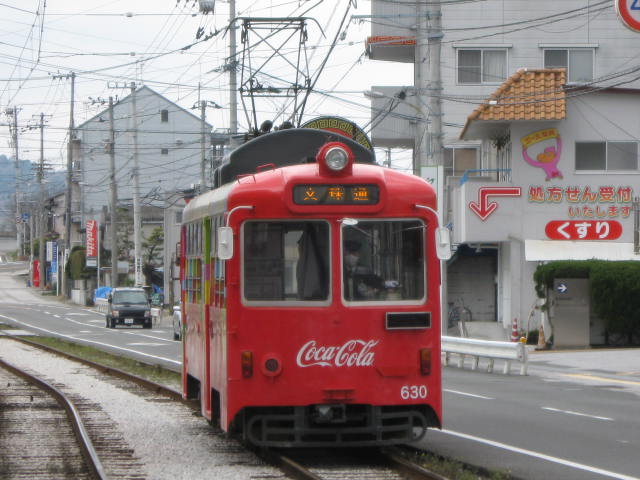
{"x": 44, "y": 430}
{"x": 350, "y": 464}
{"x": 121, "y": 460}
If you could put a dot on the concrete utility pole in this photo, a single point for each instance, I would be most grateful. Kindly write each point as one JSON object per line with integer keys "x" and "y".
{"x": 233, "y": 78}
{"x": 41, "y": 213}
{"x": 203, "y": 182}
{"x": 428, "y": 145}
{"x": 13, "y": 126}
{"x": 137, "y": 220}
{"x": 114, "y": 198}
{"x": 67, "y": 199}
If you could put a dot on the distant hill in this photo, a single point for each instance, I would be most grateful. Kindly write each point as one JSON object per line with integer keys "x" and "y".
{"x": 55, "y": 182}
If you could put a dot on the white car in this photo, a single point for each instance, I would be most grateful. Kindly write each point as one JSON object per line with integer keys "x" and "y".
{"x": 177, "y": 323}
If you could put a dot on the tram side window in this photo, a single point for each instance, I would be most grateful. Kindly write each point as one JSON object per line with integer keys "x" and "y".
{"x": 286, "y": 261}
{"x": 383, "y": 260}
{"x": 193, "y": 277}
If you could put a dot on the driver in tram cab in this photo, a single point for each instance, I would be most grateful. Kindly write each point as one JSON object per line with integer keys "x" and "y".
{"x": 360, "y": 281}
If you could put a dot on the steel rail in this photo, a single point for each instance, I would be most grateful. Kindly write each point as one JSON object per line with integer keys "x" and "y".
{"x": 86, "y": 445}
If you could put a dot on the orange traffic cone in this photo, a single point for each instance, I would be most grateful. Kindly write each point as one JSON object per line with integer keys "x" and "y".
{"x": 514, "y": 331}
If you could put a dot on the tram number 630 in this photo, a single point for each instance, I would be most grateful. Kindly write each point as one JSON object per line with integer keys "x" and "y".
{"x": 413, "y": 392}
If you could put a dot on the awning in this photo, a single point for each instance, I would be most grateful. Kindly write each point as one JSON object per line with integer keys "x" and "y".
{"x": 547, "y": 250}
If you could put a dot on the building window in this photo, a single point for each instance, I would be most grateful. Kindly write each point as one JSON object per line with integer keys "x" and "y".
{"x": 607, "y": 156}
{"x": 477, "y": 66}
{"x": 458, "y": 160}
{"x": 164, "y": 151}
{"x": 577, "y": 61}
{"x": 164, "y": 116}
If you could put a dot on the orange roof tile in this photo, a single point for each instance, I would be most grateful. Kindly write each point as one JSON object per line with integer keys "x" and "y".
{"x": 529, "y": 94}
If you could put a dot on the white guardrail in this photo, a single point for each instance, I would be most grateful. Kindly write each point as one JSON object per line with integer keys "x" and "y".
{"x": 102, "y": 305}
{"x": 492, "y": 350}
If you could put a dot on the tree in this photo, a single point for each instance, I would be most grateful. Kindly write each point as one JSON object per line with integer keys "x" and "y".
{"x": 152, "y": 254}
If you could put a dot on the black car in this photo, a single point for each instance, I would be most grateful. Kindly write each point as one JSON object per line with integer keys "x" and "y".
{"x": 128, "y": 306}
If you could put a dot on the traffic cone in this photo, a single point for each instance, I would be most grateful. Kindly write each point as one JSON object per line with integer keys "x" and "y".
{"x": 514, "y": 331}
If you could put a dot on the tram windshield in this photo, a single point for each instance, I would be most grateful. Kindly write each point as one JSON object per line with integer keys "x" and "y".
{"x": 286, "y": 261}
{"x": 383, "y": 260}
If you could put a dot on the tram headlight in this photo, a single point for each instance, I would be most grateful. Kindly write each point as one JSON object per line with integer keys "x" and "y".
{"x": 336, "y": 158}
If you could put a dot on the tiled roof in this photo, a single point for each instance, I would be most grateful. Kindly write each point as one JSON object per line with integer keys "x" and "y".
{"x": 529, "y": 94}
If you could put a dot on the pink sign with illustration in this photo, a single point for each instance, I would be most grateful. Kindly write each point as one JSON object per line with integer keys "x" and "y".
{"x": 542, "y": 149}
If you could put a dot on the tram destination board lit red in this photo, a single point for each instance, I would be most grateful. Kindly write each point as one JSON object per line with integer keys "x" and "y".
{"x": 336, "y": 194}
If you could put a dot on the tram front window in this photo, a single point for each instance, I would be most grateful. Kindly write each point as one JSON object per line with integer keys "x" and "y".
{"x": 383, "y": 260}
{"x": 286, "y": 261}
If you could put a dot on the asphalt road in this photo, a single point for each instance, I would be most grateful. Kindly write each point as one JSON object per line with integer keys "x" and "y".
{"x": 45, "y": 315}
{"x": 575, "y": 416}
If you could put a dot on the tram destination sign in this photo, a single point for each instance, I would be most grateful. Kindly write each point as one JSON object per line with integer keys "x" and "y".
{"x": 320, "y": 194}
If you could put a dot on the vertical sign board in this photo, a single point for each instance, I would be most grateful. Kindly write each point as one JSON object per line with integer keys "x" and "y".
{"x": 54, "y": 258}
{"x": 92, "y": 243}
{"x": 434, "y": 174}
{"x": 629, "y": 12}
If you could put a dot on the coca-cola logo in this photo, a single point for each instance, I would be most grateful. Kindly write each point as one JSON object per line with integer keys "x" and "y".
{"x": 352, "y": 353}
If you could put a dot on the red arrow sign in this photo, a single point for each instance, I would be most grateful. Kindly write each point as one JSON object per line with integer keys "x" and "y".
{"x": 483, "y": 208}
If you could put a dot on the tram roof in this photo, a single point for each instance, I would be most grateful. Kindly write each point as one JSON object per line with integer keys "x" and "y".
{"x": 207, "y": 203}
{"x": 283, "y": 147}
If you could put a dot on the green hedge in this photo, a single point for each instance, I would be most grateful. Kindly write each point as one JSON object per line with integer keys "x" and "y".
{"x": 76, "y": 265}
{"x": 614, "y": 289}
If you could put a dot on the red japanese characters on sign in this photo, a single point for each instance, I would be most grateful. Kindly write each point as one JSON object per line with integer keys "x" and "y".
{"x": 586, "y": 202}
{"x": 583, "y": 230}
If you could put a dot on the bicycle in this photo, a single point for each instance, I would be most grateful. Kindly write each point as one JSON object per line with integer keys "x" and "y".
{"x": 459, "y": 315}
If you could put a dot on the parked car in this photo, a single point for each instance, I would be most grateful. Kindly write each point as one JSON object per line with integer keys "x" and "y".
{"x": 128, "y": 306}
{"x": 177, "y": 323}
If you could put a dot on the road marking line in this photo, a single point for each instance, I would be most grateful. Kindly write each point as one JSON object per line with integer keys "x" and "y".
{"x": 578, "y": 414}
{"x": 542, "y": 456}
{"x": 599, "y": 379}
{"x": 465, "y": 394}
{"x": 56, "y": 334}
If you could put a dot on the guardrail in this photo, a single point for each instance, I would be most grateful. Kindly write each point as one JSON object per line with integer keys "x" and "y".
{"x": 492, "y": 350}
{"x": 102, "y": 305}
{"x": 156, "y": 314}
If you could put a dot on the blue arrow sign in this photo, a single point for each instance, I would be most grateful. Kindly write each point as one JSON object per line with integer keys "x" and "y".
{"x": 562, "y": 288}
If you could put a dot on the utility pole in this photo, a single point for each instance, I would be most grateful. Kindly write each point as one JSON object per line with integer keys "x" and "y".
{"x": 137, "y": 220}
{"x": 68, "y": 196}
{"x": 12, "y": 113}
{"x": 203, "y": 183}
{"x": 233, "y": 78}
{"x": 114, "y": 198}
{"x": 41, "y": 213}
{"x": 428, "y": 145}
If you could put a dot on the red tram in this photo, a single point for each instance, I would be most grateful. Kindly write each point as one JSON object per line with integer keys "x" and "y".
{"x": 310, "y": 296}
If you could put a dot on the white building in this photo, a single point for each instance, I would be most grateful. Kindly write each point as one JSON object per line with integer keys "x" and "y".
{"x": 165, "y": 138}
{"x": 511, "y": 211}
